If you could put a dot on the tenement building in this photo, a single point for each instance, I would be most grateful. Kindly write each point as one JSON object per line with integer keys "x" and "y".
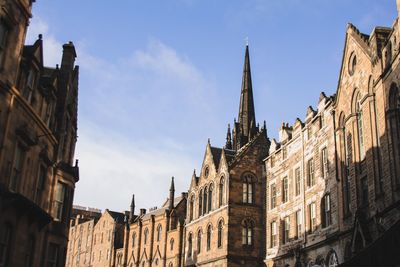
{"x": 333, "y": 180}
{"x": 38, "y": 130}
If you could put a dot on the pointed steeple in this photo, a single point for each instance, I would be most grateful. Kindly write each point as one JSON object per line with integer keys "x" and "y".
{"x": 246, "y": 125}
{"x": 171, "y": 194}
{"x": 132, "y": 211}
{"x": 228, "y": 144}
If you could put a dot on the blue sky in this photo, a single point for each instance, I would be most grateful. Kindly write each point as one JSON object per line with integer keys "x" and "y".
{"x": 160, "y": 77}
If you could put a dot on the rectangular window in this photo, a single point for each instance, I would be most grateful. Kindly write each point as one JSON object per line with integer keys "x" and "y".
{"x": 59, "y": 201}
{"x": 297, "y": 177}
{"x": 322, "y": 120}
{"x": 312, "y": 216}
{"x": 327, "y": 219}
{"x": 285, "y": 190}
{"x": 324, "y": 163}
{"x": 286, "y": 229}
{"x": 41, "y": 182}
{"x": 284, "y": 153}
{"x": 273, "y": 196}
{"x": 17, "y": 167}
{"x": 298, "y": 223}
{"x": 310, "y": 173}
{"x": 53, "y": 255}
{"x": 272, "y": 161}
{"x": 273, "y": 234}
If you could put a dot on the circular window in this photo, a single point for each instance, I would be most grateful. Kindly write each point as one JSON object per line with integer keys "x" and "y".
{"x": 352, "y": 63}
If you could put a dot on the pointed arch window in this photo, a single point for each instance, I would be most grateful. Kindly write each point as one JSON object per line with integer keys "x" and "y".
{"x": 221, "y": 191}
{"x": 171, "y": 244}
{"x": 205, "y": 194}
{"x": 190, "y": 245}
{"x": 210, "y": 197}
{"x": 201, "y": 203}
{"x": 248, "y": 188}
{"x": 220, "y": 226}
{"x": 360, "y": 130}
{"x": 209, "y": 237}
{"x": 146, "y": 235}
{"x": 247, "y": 232}
{"x": 345, "y": 170}
{"x": 133, "y": 239}
{"x": 191, "y": 204}
{"x": 199, "y": 242}
{"x": 159, "y": 232}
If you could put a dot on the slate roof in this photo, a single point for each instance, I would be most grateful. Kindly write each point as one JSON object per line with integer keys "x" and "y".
{"x": 162, "y": 210}
{"x": 117, "y": 216}
{"x": 216, "y": 153}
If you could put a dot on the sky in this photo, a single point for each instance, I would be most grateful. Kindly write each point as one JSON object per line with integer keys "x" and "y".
{"x": 158, "y": 78}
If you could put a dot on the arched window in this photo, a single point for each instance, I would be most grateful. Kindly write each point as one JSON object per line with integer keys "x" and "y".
{"x": 221, "y": 191}
{"x": 332, "y": 259}
{"x": 205, "y": 194}
{"x": 171, "y": 244}
{"x": 191, "y": 204}
{"x": 247, "y": 232}
{"x": 360, "y": 131}
{"x": 209, "y": 237}
{"x": 146, "y": 235}
{"x": 190, "y": 240}
{"x": 220, "y": 225}
{"x": 389, "y": 54}
{"x": 201, "y": 203}
{"x": 248, "y": 189}
{"x": 210, "y": 197}
{"x": 133, "y": 239}
{"x": 199, "y": 242}
{"x": 159, "y": 233}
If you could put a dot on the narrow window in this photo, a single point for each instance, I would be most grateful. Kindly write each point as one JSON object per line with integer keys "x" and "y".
{"x": 205, "y": 194}
{"x": 201, "y": 203}
{"x": 310, "y": 172}
{"x": 53, "y": 255}
{"x": 220, "y": 234}
{"x": 59, "y": 201}
{"x": 221, "y": 191}
{"x": 297, "y": 177}
{"x": 133, "y": 240}
{"x": 285, "y": 190}
{"x": 191, "y": 204}
{"x": 209, "y": 237}
{"x": 364, "y": 192}
{"x": 146, "y": 234}
{"x": 199, "y": 242}
{"x": 298, "y": 223}
{"x": 273, "y": 234}
{"x": 286, "y": 229}
{"x": 324, "y": 163}
{"x": 312, "y": 216}
{"x": 190, "y": 245}
{"x": 247, "y": 233}
{"x": 360, "y": 128}
{"x": 159, "y": 233}
{"x": 171, "y": 244}
{"x": 273, "y": 196}
{"x": 210, "y": 197}
{"x": 326, "y": 211}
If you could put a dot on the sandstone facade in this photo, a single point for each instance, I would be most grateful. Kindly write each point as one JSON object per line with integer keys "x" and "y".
{"x": 38, "y": 131}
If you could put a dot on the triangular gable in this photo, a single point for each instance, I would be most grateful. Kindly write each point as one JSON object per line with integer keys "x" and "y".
{"x": 354, "y": 35}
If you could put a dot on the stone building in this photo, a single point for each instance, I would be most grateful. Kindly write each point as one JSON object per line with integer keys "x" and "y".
{"x": 38, "y": 131}
{"x": 155, "y": 238}
{"x": 226, "y": 202}
{"x": 80, "y": 238}
{"x": 333, "y": 183}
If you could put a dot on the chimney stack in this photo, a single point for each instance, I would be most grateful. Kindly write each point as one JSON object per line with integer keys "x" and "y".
{"x": 68, "y": 56}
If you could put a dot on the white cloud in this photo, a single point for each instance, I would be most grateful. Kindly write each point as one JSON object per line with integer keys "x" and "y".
{"x": 140, "y": 119}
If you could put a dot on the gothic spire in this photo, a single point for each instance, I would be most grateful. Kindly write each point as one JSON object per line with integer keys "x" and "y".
{"x": 228, "y": 138}
{"x": 132, "y": 211}
{"x": 171, "y": 194}
{"x": 247, "y": 119}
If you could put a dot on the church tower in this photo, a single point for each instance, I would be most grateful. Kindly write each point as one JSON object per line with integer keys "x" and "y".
{"x": 245, "y": 128}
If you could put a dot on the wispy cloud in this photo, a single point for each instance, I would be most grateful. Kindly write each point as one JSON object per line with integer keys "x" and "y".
{"x": 138, "y": 119}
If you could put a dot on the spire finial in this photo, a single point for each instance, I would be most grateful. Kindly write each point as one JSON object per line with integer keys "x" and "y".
{"x": 171, "y": 194}
{"x": 246, "y": 40}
